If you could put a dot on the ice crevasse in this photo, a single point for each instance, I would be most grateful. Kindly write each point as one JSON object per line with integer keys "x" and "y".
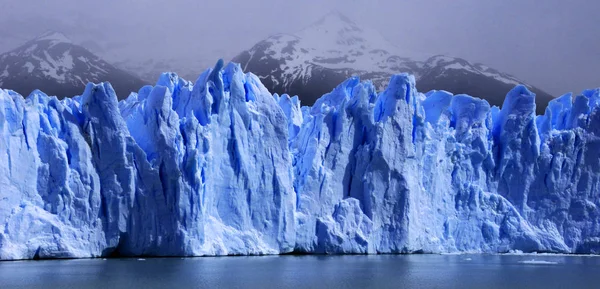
{"x": 223, "y": 167}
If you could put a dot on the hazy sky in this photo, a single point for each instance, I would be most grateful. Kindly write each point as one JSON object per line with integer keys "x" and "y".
{"x": 553, "y": 44}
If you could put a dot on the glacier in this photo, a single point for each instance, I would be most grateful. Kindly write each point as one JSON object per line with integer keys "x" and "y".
{"x": 223, "y": 167}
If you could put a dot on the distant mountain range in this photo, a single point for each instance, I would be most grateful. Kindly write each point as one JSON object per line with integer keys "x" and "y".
{"x": 313, "y": 61}
{"x": 55, "y": 65}
{"x": 309, "y": 64}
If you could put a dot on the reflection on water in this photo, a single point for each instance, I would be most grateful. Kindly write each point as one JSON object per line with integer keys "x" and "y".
{"x": 377, "y": 271}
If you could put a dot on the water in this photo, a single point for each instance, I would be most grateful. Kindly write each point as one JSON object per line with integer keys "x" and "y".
{"x": 387, "y": 271}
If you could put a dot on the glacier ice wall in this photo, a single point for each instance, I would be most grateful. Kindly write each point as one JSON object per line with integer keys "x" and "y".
{"x": 178, "y": 169}
{"x": 404, "y": 172}
{"x": 222, "y": 167}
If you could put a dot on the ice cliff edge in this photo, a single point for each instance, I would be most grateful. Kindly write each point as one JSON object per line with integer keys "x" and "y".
{"x": 223, "y": 167}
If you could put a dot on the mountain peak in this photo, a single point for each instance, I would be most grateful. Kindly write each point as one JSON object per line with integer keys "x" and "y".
{"x": 336, "y": 31}
{"x": 335, "y": 16}
{"x": 53, "y": 36}
{"x": 335, "y": 21}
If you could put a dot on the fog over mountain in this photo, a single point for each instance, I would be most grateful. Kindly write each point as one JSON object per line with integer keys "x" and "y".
{"x": 551, "y": 44}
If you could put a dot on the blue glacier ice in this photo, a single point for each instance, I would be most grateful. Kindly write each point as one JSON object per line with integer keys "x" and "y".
{"x": 223, "y": 167}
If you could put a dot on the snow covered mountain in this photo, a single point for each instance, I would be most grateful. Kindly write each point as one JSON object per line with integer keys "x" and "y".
{"x": 311, "y": 62}
{"x": 223, "y": 167}
{"x": 51, "y": 62}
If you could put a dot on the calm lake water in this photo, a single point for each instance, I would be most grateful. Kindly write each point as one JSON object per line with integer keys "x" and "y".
{"x": 387, "y": 271}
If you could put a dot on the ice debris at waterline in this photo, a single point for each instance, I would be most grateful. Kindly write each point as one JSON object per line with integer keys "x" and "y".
{"x": 221, "y": 166}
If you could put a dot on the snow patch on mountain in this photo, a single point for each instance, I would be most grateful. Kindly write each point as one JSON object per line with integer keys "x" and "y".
{"x": 29, "y": 66}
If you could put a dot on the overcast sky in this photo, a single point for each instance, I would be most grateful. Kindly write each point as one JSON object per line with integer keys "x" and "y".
{"x": 553, "y": 44}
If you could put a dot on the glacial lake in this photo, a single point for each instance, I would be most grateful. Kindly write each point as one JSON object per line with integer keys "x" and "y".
{"x": 377, "y": 271}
